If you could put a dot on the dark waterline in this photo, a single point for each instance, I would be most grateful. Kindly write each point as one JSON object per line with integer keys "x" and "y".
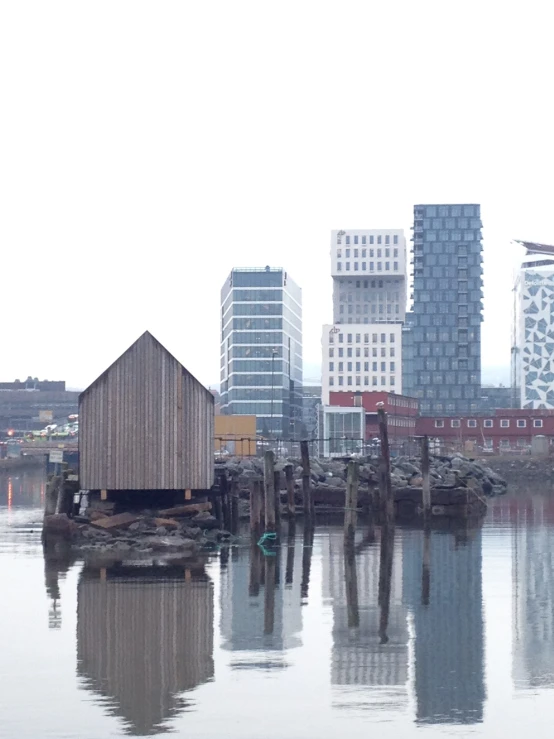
{"x": 211, "y": 649}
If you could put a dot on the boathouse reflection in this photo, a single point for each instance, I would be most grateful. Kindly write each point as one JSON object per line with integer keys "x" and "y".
{"x": 144, "y": 638}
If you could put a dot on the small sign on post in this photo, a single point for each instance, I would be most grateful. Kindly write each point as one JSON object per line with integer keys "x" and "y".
{"x": 56, "y": 456}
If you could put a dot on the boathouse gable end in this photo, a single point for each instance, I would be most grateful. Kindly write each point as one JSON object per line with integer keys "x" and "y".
{"x": 146, "y": 424}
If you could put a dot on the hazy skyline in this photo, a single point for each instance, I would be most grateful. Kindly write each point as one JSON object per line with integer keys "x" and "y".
{"x": 147, "y": 148}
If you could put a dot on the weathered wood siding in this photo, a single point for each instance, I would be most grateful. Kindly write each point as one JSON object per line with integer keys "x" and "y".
{"x": 146, "y": 424}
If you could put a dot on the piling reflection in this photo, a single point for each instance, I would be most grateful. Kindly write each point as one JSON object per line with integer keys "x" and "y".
{"x": 144, "y": 638}
{"x": 259, "y": 612}
{"x": 364, "y": 586}
{"x": 58, "y": 560}
{"x": 448, "y": 624}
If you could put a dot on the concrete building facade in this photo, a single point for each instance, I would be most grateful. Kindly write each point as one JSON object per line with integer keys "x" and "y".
{"x": 362, "y": 349}
{"x": 261, "y": 349}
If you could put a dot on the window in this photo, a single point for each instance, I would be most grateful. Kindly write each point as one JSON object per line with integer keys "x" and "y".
{"x": 395, "y": 239}
{"x": 364, "y": 266}
{"x": 349, "y": 338}
{"x": 349, "y": 366}
{"x": 374, "y": 338}
{"x": 374, "y": 366}
{"x": 472, "y": 423}
{"x": 347, "y": 253}
{"x": 392, "y": 382}
{"x": 348, "y": 266}
{"x": 392, "y": 351}
{"x": 341, "y": 338}
{"x": 341, "y": 366}
{"x": 355, "y": 266}
{"x": 383, "y": 366}
{"x": 521, "y": 423}
{"x": 383, "y": 351}
{"x": 356, "y": 253}
{"x": 348, "y": 239}
{"x": 383, "y": 338}
{"x": 358, "y": 338}
{"x": 331, "y": 366}
{"x": 364, "y": 239}
{"x": 379, "y": 241}
{"x": 505, "y": 443}
{"x": 455, "y": 423}
{"x": 383, "y": 380}
{"x": 355, "y": 239}
{"x": 358, "y": 364}
{"x": 371, "y": 239}
{"x": 392, "y": 338}
{"x": 349, "y": 380}
{"x": 366, "y": 338}
{"x": 366, "y": 380}
{"x": 358, "y": 380}
{"x": 341, "y": 352}
{"x": 371, "y": 266}
{"x": 387, "y": 253}
{"x": 374, "y": 381}
{"x": 537, "y": 423}
{"x": 331, "y": 352}
{"x": 331, "y": 381}
{"x": 439, "y": 423}
{"x": 504, "y": 423}
{"x": 392, "y": 367}
{"x": 387, "y": 266}
{"x": 395, "y": 266}
{"x": 341, "y": 380}
{"x": 387, "y": 239}
{"x": 339, "y": 266}
{"x": 488, "y": 423}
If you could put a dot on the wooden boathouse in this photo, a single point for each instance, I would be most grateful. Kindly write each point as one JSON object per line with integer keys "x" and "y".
{"x": 146, "y": 424}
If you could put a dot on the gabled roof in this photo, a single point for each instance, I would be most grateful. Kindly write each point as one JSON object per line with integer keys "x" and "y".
{"x": 146, "y": 337}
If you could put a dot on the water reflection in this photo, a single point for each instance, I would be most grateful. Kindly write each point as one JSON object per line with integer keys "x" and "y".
{"x": 144, "y": 637}
{"x": 533, "y": 593}
{"x": 260, "y": 612}
{"x": 370, "y": 633}
{"x": 448, "y": 630}
{"x": 22, "y": 489}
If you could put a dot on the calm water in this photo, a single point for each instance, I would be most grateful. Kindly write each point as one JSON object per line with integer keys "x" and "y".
{"x": 215, "y": 651}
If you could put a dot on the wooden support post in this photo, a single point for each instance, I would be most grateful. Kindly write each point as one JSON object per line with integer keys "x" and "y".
{"x": 306, "y": 484}
{"x": 103, "y": 495}
{"x": 277, "y": 486}
{"x": 387, "y": 500}
{"x": 289, "y": 479}
{"x": 351, "y": 503}
{"x": 269, "y": 486}
{"x": 351, "y": 582}
{"x": 188, "y": 494}
{"x": 269, "y": 594}
{"x": 426, "y": 481}
{"x": 289, "y": 572}
{"x": 426, "y": 568}
{"x": 307, "y": 548}
{"x": 256, "y": 509}
{"x": 225, "y": 507}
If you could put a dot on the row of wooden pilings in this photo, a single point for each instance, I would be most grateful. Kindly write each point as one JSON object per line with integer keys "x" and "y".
{"x": 265, "y": 527}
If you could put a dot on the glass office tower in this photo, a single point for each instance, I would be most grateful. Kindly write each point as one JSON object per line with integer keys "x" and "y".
{"x": 261, "y": 350}
{"x": 442, "y": 337}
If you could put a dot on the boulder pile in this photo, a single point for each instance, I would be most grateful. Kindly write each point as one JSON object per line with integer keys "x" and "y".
{"x": 329, "y": 475}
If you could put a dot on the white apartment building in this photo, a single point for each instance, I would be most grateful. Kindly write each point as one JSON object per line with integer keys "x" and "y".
{"x": 362, "y": 349}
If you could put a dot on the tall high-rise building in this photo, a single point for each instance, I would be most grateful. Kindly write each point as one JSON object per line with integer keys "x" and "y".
{"x": 532, "y": 363}
{"x": 362, "y": 349}
{"x": 261, "y": 350}
{"x": 442, "y": 338}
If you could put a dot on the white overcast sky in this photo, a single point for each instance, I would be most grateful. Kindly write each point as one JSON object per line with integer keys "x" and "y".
{"x": 146, "y": 148}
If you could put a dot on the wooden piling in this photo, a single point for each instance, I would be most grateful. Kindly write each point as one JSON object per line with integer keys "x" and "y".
{"x": 387, "y": 500}
{"x": 225, "y": 506}
{"x": 351, "y": 503}
{"x": 255, "y": 568}
{"x": 351, "y": 583}
{"x": 426, "y": 480}
{"x": 289, "y": 480}
{"x": 306, "y": 484}
{"x": 256, "y": 509}
{"x": 269, "y": 487}
{"x": 277, "y": 486}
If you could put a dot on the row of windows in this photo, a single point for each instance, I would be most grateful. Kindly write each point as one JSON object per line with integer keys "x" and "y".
{"x": 488, "y": 423}
{"x": 358, "y": 365}
{"x": 358, "y": 338}
{"x": 363, "y": 253}
{"x": 368, "y": 239}
{"x": 347, "y": 381}
{"x": 358, "y": 352}
{"x": 443, "y": 211}
{"x": 367, "y": 309}
{"x": 370, "y": 296}
{"x": 374, "y": 319}
{"x": 380, "y": 265}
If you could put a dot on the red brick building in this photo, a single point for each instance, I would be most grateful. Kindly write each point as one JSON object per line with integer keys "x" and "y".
{"x": 402, "y": 411}
{"x": 503, "y": 429}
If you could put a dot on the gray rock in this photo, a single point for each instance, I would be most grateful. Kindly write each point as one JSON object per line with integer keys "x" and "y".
{"x": 161, "y": 531}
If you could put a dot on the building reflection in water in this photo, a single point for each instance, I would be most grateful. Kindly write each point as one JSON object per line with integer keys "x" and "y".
{"x": 533, "y": 593}
{"x": 254, "y": 619}
{"x": 360, "y": 656}
{"x": 144, "y": 637}
{"x": 448, "y": 632}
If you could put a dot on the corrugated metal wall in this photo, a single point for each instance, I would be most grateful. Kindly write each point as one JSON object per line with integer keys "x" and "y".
{"x": 142, "y": 641}
{"x": 146, "y": 424}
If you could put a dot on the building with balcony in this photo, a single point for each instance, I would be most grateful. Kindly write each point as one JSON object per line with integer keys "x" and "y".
{"x": 261, "y": 350}
{"x": 443, "y": 331}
